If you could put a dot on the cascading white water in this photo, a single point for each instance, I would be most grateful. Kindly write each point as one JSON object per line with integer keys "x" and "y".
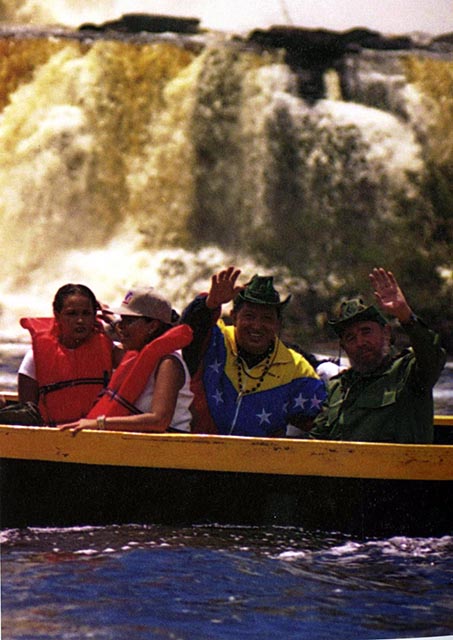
{"x": 124, "y": 162}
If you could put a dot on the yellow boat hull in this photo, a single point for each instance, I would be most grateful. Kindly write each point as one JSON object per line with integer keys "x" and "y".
{"x": 53, "y": 478}
{"x": 283, "y": 456}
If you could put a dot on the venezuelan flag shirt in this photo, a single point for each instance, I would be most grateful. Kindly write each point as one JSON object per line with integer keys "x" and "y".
{"x": 260, "y": 400}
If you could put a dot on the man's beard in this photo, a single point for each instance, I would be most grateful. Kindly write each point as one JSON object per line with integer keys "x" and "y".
{"x": 368, "y": 365}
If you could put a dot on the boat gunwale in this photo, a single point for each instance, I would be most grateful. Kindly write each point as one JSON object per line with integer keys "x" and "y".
{"x": 238, "y": 454}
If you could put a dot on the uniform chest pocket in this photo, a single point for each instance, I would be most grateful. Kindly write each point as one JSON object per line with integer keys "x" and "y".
{"x": 377, "y": 398}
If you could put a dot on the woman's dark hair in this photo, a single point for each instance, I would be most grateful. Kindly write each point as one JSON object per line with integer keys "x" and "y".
{"x": 163, "y": 328}
{"x": 69, "y": 290}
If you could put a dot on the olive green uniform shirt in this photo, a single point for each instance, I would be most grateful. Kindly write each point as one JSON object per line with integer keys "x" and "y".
{"x": 392, "y": 404}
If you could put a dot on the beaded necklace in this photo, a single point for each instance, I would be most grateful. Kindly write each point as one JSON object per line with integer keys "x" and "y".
{"x": 241, "y": 369}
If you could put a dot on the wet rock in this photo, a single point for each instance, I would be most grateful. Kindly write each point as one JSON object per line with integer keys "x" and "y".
{"x": 446, "y": 38}
{"x": 443, "y": 43}
{"x": 310, "y": 52}
{"x": 303, "y": 46}
{"x": 138, "y": 22}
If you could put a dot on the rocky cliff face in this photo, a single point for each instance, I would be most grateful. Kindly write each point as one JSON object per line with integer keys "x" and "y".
{"x": 308, "y": 52}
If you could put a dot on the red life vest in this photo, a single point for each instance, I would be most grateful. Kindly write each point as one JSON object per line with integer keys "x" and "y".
{"x": 69, "y": 380}
{"x": 130, "y": 378}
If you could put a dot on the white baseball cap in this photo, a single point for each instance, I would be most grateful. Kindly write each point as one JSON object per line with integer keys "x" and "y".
{"x": 146, "y": 302}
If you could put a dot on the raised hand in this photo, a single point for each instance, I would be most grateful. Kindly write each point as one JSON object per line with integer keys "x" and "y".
{"x": 223, "y": 287}
{"x": 389, "y": 295}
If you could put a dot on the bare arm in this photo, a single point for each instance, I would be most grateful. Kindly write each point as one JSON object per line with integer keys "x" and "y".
{"x": 170, "y": 378}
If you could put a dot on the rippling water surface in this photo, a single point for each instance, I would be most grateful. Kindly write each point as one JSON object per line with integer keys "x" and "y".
{"x": 142, "y": 582}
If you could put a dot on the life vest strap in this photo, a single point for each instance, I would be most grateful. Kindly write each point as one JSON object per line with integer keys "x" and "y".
{"x": 114, "y": 395}
{"x": 64, "y": 384}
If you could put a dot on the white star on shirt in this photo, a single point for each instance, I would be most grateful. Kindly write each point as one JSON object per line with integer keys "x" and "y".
{"x": 263, "y": 416}
{"x": 316, "y": 402}
{"x": 218, "y": 396}
{"x": 215, "y": 366}
{"x": 300, "y": 401}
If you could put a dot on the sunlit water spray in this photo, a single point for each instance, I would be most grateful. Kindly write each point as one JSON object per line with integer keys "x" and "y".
{"x": 110, "y": 271}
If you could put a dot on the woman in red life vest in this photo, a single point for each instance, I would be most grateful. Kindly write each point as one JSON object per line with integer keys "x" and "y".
{"x": 71, "y": 360}
{"x": 150, "y": 390}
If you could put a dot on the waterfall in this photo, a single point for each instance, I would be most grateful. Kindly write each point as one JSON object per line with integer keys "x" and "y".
{"x": 160, "y": 161}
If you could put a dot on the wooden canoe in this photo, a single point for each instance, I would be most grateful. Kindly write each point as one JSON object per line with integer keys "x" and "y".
{"x": 49, "y": 477}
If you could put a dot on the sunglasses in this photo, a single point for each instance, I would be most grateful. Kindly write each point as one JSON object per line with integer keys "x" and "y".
{"x": 128, "y": 320}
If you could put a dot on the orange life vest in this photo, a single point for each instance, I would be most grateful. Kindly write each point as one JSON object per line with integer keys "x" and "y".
{"x": 69, "y": 380}
{"x": 130, "y": 378}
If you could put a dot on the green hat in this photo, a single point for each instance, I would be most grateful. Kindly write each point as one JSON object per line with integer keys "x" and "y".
{"x": 355, "y": 310}
{"x": 260, "y": 290}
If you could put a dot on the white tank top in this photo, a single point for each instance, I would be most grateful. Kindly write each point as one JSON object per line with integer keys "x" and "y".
{"x": 182, "y": 416}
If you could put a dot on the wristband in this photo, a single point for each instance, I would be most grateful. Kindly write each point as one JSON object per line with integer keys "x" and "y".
{"x": 100, "y": 422}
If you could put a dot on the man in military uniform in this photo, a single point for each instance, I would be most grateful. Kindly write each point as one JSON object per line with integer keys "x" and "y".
{"x": 382, "y": 397}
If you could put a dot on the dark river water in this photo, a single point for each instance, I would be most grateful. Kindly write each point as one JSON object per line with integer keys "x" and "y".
{"x": 140, "y": 582}
{"x": 135, "y": 582}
